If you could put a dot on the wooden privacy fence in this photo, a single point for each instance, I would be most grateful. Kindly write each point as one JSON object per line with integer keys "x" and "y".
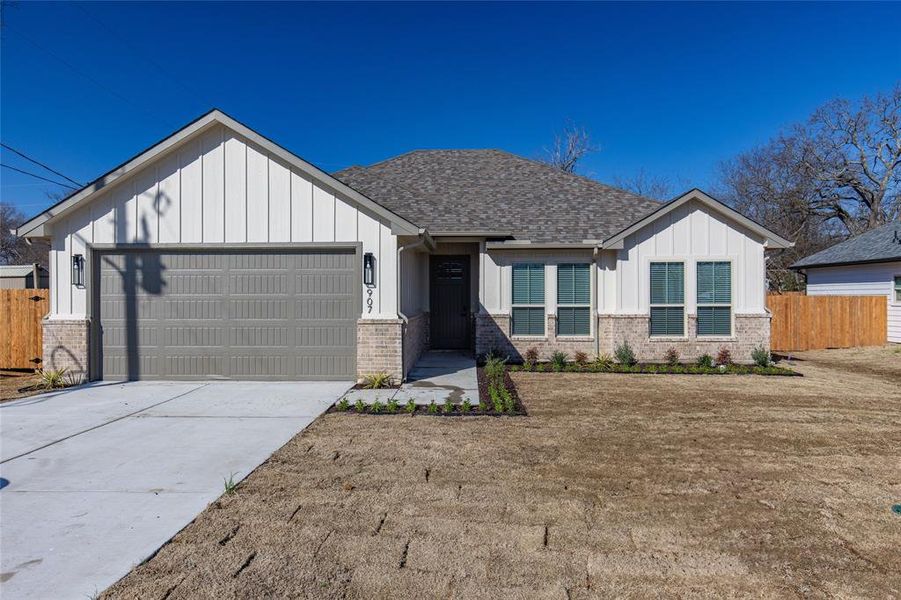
{"x": 817, "y": 322}
{"x": 21, "y": 336}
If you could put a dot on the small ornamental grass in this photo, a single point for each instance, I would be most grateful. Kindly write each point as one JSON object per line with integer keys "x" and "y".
{"x": 624, "y": 354}
{"x": 343, "y": 405}
{"x": 558, "y": 360}
{"x": 376, "y": 381}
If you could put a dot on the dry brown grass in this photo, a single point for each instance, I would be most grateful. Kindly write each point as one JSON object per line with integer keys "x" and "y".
{"x": 626, "y": 485}
{"x": 12, "y": 381}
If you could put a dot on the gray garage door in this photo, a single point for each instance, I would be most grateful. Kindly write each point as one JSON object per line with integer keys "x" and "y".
{"x": 224, "y": 314}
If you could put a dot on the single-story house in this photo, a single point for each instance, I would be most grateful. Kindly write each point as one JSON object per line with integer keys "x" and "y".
{"x": 24, "y": 277}
{"x": 865, "y": 265}
{"x": 218, "y": 253}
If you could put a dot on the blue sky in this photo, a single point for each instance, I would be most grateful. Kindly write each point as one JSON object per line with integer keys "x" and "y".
{"x": 669, "y": 88}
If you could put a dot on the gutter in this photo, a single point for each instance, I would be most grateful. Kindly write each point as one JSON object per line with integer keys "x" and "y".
{"x": 423, "y": 240}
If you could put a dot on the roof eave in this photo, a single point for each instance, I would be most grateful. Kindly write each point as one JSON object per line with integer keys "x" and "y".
{"x": 845, "y": 263}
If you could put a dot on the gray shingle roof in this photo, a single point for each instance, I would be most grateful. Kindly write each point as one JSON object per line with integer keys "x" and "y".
{"x": 882, "y": 244}
{"x": 492, "y": 190}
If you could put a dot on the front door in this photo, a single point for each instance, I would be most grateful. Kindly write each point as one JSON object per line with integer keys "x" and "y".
{"x": 449, "y": 301}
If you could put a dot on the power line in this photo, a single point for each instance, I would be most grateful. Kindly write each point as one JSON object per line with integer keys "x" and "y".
{"x": 37, "y": 176}
{"x": 40, "y": 164}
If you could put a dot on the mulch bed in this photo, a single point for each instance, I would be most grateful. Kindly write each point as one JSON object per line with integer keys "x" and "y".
{"x": 660, "y": 369}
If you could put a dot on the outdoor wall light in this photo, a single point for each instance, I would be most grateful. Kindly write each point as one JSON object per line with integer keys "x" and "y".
{"x": 78, "y": 270}
{"x": 368, "y": 269}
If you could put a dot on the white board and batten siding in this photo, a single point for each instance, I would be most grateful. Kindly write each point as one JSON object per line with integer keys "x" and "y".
{"x": 875, "y": 279}
{"x": 690, "y": 233}
{"x": 218, "y": 188}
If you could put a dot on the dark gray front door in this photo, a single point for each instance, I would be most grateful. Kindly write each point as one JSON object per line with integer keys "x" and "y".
{"x": 232, "y": 314}
{"x": 449, "y": 301}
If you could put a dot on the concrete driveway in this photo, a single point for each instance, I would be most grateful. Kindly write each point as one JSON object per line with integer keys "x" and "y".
{"x": 96, "y": 479}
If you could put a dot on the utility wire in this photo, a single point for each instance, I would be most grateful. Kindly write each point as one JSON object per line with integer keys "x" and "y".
{"x": 37, "y": 176}
{"x": 39, "y": 163}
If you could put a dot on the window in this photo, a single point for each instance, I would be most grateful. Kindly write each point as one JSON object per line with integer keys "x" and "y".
{"x": 574, "y": 299}
{"x": 714, "y": 298}
{"x": 528, "y": 299}
{"x": 667, "y": 298}
{"x": 897, "y": 288}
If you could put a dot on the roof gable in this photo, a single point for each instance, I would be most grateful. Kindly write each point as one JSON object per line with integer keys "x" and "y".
{"x": 882, "y": 244}
{"x": 36, "y": 226}
{"x": 772, "y": 240}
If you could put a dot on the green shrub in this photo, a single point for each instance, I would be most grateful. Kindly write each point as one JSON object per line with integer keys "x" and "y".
{"x": 624, "y": 354}
{"x": 509, "y": 404}
{"x": 494, "y": 371}
{"x": 482, "y": 406}
{"x": 392, "y": 406}
{"x": 360, "y": 406}
{"x": 761, "y": 357}
{"x": 558, "y": 360}
{"x": 343, "y": 404}
{"x": 448, "y": 406}
{"x": 603, "y": 362}
{"x": 53, "y": 379}
{"x": 671, "y": 357}
{"x": 376, "y": 407}
{"x": 705, "y": 361}
{"x": 376, "y": 381}
{"x": 465, "y": 406}
{"x": 411, "y": 406}
{"x": 433, "y": 408}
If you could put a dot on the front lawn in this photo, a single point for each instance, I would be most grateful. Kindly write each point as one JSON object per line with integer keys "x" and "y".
{"x": 624, "y": 485}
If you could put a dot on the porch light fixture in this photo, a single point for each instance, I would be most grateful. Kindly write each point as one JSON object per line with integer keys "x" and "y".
{"x": 368, "y": 269}
{"x": 78, "y": 270}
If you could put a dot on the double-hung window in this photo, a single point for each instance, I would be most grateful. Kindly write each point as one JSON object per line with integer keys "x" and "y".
{"x": 573, "y": 299}
{"x": 897, "y": 289}
{"x": 714, "y": 298}
{"x": 528, "y": 299}
{"x": 668, "y": 298}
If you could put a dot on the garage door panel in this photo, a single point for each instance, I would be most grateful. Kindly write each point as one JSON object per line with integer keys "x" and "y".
{"x": 229, "y": 314}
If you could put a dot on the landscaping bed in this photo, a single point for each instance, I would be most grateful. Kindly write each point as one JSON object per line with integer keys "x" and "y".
{"x": 656, "y": 369}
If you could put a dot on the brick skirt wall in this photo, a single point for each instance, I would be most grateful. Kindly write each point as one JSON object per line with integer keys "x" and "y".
{"x": 379, "y": 347}
{"x": 66, "y": 345}
{"x": 751, "y": 331}
{"x": 416, "y": 339}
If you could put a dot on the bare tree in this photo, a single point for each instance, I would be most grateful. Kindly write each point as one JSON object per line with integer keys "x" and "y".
{"x": 15, "y": 250}
{"x": 647, "y": 185}
{"x": 570, "y": 146}
{"x": 852, "y": 154}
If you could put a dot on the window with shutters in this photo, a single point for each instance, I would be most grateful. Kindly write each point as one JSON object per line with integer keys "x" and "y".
{"x": 667, "y": 298}
{"x": 528, "y": 299}
{"x": 714, "y": 298}
{"x": 574, "y": 299}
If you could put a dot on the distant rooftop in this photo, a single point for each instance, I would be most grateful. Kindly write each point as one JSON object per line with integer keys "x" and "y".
{"x": 882, "y": 244}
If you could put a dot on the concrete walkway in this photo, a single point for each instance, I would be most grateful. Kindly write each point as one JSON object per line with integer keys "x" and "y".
{"x": 437, "y": 376}
{"x": 95, "y": 479}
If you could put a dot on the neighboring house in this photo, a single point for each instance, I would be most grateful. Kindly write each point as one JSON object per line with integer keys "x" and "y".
{"x": 18, "y": 277}
{"x": 866, "y": 265}
{"x": 217, "y": 253}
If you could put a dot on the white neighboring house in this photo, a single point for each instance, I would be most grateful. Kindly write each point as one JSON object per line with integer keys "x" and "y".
{"x": 22, "y": 277}
{"x": 217, "y": 253}
{"x": 866, "y": 265}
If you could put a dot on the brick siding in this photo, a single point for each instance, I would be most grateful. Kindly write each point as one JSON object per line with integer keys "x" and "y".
{"x": 416, "y": 339}
{"x": 66, "y": 346}
{"x": 379, "y": 347}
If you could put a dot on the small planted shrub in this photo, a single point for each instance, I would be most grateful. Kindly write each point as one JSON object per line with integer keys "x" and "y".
{"x": 624, "y": 354}
{"x": 530, "y": 358}
{"x": 376, "y": 381}
{"x": 343, "y": 404}
{"x": 604, "y": 362}
{"x": 376, "y": 407}
{"x": 509, "y": 405}
{"x": 53, "y": 379}
{"x": 360, "y": 406}
{"x": 558, "y": 360}
{"x": 705, "y": 361}
{"x": 411, "y": 406}
{"x": 580, "y": 358}
{"x": 433, "y": 408}
{"x": 761, "y": 357}
{"x": 391, "y": 406}
{"x": 448, "y": 406}
{"x": 483, "y": 407}
{"x": 724, "y": 356}
{"x": 497, "y": 401}
{"x": 465, "y": 406}
{"x": 671, "y": 357}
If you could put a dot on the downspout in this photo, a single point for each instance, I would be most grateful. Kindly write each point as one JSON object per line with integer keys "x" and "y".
{"x": 400, "y": 313}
